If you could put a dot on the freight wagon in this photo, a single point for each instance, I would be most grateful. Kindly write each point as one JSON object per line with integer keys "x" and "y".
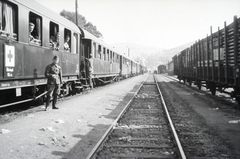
{"x": 214, "y": 61}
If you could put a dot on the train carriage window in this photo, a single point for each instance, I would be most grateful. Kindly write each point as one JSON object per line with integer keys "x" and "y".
{"x": 104, "y": 54}
{"x": 94, "y": 50}
{"x": 99, "y": 51}
{"x": 54, "y": 36}
{"x": 117, "y": 58}
{"x": 113, "y": 57}
{"x": 107, "y": 55}
{"x": 35, "y": 29}
{"x": 67, "y": 40}
{"x": 8, "y": 20}
{"x": 74, "y": 43}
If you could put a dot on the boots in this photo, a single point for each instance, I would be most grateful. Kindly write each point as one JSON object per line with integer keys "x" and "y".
{"x": 47, "y": 102}
{"x": 54, "y": 102}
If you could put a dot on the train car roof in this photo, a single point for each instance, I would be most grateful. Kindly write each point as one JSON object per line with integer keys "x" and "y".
{"x": 87, "y": 35}
{"x": 42, "y": 10}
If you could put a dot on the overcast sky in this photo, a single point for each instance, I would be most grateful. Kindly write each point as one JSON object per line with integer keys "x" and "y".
{"x": 158, "y": 23}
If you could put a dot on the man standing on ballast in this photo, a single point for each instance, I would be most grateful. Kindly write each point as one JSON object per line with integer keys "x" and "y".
{"x": 53, "y": 73}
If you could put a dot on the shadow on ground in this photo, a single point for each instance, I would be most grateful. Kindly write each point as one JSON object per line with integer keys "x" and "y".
{"x": 81, "y": 149}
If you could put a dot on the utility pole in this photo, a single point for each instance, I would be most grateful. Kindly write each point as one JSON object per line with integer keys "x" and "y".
{"x": 128, "y": 51}
{"x": 76, "y": 6}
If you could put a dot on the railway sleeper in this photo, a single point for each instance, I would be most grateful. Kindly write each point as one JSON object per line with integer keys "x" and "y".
{"x": 136, "y": 133}
{"x": 139, "y": 146}
{"x": 142, "y": 139}
{"x": 130, "y": 156}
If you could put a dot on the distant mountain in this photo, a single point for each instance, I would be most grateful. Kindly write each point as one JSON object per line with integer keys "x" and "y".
{"x": 134, "y": 49}
{"x": 150, "y": 56}
{"x": 172, "y": 52}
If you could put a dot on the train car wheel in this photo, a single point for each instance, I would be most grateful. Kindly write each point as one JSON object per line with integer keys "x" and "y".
{"x": 190, "y": 83}
{"x": 39, "y": 101}
{"x": 212, "y": 87}
{"x": 199, "y": 85}
{"x": 238, "y": 101}
{"x": 213, "y": 90}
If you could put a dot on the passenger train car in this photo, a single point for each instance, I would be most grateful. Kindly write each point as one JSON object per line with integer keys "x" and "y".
{"x": 107, "y": 64}
{"x": 105, "y": 60}
{"x": 214, "y": 60}
{"x": 23, "y": 58}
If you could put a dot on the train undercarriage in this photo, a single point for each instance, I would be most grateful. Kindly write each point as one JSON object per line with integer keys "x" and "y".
{"x": 233, "y": 91}
{"x": 37, "y": 92}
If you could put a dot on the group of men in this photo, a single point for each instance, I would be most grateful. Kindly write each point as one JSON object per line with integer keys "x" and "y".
{"x": 53, "y": 71}
{"x": 54, "y": 40}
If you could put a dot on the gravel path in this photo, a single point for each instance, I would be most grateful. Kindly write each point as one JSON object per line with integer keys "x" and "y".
{"x": 69, "y": 132}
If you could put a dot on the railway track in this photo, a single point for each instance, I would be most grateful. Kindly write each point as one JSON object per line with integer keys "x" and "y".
{"x": 143, "y": 129}
{"x": 228, "y": 92}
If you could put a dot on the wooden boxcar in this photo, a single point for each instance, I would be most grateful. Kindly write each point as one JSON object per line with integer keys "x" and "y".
{"x": 214, "y": 60}
{"x": 161, "y": 69}
{"x": 170, "y": 68}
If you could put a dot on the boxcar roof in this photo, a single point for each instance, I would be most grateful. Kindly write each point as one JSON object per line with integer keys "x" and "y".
{"x": 44, "y": 11}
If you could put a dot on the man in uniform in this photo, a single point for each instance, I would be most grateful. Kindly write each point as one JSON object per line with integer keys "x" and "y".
{"x": 31, "y": 28}
{"x": 53, "y": 73}
{"x": 89, "y": 70}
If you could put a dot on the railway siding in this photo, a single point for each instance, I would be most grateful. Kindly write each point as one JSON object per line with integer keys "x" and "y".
{"x": 201, "y": 121}
{"x": 142, "y": 131}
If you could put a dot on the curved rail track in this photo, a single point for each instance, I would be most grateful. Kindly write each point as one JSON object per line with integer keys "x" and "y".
{"x": 143, "y": 129}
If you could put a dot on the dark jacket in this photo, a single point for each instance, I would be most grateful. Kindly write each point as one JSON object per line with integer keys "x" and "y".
{"x": 53, "y": 72}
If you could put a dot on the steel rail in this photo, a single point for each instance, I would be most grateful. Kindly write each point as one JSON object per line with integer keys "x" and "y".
{"x": 110, "y": 129}
{"x": 180, "y": 149}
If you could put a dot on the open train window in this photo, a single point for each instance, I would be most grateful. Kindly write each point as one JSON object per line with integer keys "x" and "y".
{"x": 74, "y": 42}
{"x": 113, "y": 58}
{"x": 117, "y": 59}
{"x": 8, "y": 20}
{"x": 94, "y": 50}
{"x": 67, "y": 40}
{"x": 35, "y": 29}
{"x": 54, "y": 36}
{"x": 99, "y": 51}
{"x": 107, "y": 55}
{"x": 104, "y": 54}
